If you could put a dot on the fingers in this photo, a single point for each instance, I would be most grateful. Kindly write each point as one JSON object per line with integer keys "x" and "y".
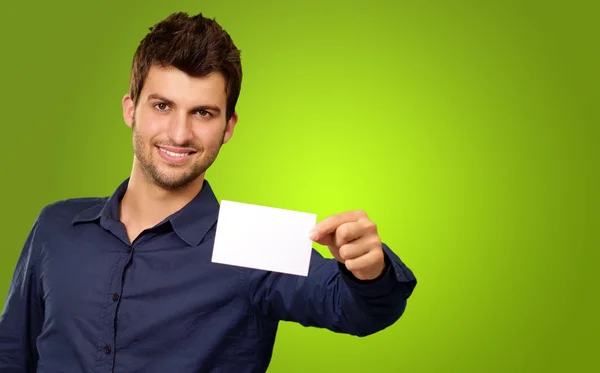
{"x": 359, "y": 247}
{"x": 349, "y": 232}
{"x": 353, "y": 240}
{"x": 368, "y": 261}
{"x": 331, "y": 223}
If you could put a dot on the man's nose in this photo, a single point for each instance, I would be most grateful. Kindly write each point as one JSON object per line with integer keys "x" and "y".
{"x": 180, "y": 129}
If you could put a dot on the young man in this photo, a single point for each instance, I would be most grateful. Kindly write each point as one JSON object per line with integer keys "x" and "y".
{"x": 126, "y": 283}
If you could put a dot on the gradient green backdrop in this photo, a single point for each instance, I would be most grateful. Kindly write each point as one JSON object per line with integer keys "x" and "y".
{"x": 467, "y": 130}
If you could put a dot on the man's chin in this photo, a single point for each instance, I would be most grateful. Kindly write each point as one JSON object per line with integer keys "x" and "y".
{"x": 174, "y": 180}
{"x": 172, "y": 184}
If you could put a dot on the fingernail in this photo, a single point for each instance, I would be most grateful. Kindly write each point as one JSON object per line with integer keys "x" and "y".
{"x": 313, "y": 235}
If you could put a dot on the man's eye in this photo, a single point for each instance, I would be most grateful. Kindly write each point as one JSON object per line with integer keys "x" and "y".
{"x": 203, "y": 113}
{"x": 161, "y": 106}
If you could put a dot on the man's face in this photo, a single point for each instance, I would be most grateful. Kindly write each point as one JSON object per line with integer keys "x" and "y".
{"x": 178, "y": 126}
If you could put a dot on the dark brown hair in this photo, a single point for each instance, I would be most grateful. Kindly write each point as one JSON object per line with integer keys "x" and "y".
{"x": 195, "y": 45}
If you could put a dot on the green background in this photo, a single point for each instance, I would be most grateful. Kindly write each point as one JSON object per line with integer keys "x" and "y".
{"x": 467, "y": 130}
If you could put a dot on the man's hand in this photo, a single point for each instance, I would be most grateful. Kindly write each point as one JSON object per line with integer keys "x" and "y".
{"x": 353, "y": 240}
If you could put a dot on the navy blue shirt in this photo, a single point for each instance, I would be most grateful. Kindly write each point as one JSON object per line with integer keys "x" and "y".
{"x": 84, "y": 298}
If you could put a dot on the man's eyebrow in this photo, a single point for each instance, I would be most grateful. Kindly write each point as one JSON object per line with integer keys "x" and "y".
{"x": 156, "y": 96}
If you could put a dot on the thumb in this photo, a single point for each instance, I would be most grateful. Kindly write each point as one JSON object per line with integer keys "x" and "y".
{"x": 322, "y": 239}
{"x": 329, "y": 241}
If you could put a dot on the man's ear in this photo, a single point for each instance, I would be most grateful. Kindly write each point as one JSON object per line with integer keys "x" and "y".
{"x": 229, "y": 127}
{"x": 128, "y": 110}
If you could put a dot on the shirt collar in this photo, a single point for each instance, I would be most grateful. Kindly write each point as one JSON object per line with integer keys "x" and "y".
{"x": 191, "y": 223}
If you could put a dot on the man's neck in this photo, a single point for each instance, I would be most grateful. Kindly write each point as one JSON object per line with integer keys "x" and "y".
{"x": 144, "y": 204}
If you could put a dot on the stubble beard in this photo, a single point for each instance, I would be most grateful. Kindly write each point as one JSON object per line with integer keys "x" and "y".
{"x": 176, "y": 179}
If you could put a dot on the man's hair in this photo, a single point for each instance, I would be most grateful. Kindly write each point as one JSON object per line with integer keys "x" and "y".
{"x": 195, "y": 45}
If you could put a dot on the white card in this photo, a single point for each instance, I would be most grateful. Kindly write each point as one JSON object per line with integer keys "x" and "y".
{"x": 265, "y": 238}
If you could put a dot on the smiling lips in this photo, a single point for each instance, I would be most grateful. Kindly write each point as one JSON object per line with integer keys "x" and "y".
{"x": 175, "y": 155}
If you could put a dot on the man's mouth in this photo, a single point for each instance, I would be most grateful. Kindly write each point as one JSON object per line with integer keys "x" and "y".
{"x": 174, "y": 154}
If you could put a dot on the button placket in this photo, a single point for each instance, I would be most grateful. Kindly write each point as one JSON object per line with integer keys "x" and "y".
{"x": 114, "y": 297}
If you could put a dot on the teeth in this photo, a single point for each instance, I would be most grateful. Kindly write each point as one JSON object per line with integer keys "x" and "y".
{"x": 173, "y": 154}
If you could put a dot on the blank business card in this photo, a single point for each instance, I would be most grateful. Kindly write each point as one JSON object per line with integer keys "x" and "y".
{"x": 265, "y": 238}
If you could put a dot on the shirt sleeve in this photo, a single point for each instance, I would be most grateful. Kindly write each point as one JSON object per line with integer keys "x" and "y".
{"x": 331, "y": 297}
{"x": 22, "y": 315}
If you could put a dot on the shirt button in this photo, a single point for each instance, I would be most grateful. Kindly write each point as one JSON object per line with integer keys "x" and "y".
{"x": 115, "y": 297}
{"x": 107, "y": 349}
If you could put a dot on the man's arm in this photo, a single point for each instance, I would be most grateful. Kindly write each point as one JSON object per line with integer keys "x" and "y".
{"x": 22, "y": 316}
{"x": 332, "y": 297}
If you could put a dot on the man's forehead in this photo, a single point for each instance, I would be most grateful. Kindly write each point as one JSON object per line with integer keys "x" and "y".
{"x": 173, "y": 83}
